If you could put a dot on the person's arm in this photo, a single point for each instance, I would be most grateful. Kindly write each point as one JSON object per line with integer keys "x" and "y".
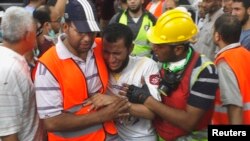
{"x": 50, "y": 109}
{"x": 12, "y": 92}
{"x": 150, "y": 77}
{"x": 175, "y": 116}
{"x": 139, "y": 110}
{"x": 230, "y": 93}
{"x": 196, "y": 105}
{"x": 60, "y": 6}
{"x": 235, "y": 114}
{"x": 71, "y": 122}
{"x": 12, "y": 137}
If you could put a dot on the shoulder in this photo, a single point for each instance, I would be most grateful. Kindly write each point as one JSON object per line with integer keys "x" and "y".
{"x": 146, "y": 63}
{"x": 116, "y": 17}
{"x": 151, "y": 16}
{"x": 204, "y": 69}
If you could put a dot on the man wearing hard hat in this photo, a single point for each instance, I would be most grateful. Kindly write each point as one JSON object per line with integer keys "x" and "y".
{"x": 188, "y": 80}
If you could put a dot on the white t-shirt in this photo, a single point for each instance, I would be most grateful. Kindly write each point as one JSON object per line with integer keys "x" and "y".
{"x": 139, "y": 70}
{"x": 17, "y": 98}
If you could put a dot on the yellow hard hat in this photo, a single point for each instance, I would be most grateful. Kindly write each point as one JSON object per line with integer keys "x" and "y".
{"x": 173, "y": 27}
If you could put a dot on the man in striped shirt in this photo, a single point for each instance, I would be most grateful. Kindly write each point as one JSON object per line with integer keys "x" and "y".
{"x": 70, "y": 73}
{"x": 18, "y": 117}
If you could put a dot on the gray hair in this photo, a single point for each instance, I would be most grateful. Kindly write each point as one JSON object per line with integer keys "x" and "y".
{"x": 16, "y": 22}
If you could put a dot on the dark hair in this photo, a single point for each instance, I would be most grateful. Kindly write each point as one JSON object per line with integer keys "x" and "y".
{"x": 245, "y": 3}
{"x": 229, "y": 28}
{"x": 42, "y": 14}
{"x": 51, "y": 2}
{"x": 1, "y": 8}
{"x": 116, "y": 31}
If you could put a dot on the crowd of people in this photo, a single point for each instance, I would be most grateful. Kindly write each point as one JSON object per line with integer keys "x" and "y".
{"x": 159, "y": 70}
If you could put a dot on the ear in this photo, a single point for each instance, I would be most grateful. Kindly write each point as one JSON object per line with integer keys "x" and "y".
{"x": 47, "y": 26}
{"x": 30, "y": 35}
{"x": 217, "y": 36}
{"x": 65, "y": 27}
{"x": 248, "y": 11}
{"x": 30, "y": 39}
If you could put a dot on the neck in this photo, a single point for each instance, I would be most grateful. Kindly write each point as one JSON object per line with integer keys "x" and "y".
{"x": 183, "y": 55}
{"x": 221, "y": 45}
{"x": 135, "y": 15}
{"x": 17, "y": 47}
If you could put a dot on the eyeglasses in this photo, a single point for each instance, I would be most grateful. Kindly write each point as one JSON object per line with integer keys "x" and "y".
{"x": 39, "y": 29}
{"x": 58, "y": 20}
{"x": 81, "y": 33}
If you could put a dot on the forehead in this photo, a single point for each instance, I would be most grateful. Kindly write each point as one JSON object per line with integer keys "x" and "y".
{"x": 237, "y": 4}
{"x": 208, "y": 1}
{"x": 135, "y": 0}
{"x": 117, "y": 45}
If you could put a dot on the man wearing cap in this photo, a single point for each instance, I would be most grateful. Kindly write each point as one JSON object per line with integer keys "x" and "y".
{"x": 70, "y": 73}
{"x": 188, "y": 80}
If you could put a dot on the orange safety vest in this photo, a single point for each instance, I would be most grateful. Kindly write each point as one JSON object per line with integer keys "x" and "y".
{"x": 74, "y": 90}
{"x": 178, "y": 100}
{"x": 158, "y": 11}
{"x": 238, "y": 59}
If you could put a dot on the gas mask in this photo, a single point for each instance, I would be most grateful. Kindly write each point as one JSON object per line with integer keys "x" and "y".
{"x": 169, "y": 81}
{"x": 52, "y": 33}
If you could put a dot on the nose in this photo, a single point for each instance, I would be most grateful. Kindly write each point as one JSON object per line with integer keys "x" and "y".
{"x": 87, "y": 36}
{"x": 111, "y": 58}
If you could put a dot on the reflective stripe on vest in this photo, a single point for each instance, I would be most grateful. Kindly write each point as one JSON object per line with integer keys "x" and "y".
{"x": 158, "y": 10}
{"x": 178, "y": 100}
{"x": 241, "y": 71}
{"x": 196, "y": 72}
{"x": 141, "y": 43}
{"x": 78, "y": 88}
{"x": 78, "y": 133}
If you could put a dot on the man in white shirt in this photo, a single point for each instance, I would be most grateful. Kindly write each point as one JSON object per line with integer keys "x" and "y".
{"x": 125, "y": 69}
{"x": 18, "y": 119}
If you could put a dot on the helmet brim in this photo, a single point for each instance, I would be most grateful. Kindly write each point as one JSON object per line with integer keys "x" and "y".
{"x": 152, "y": 37}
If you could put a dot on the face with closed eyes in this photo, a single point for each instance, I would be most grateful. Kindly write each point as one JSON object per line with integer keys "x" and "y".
{"x": 164, "y": 52}
{"x": 116, "y": 55}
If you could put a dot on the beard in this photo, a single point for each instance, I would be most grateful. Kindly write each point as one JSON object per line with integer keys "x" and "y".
{"x": 245, "y": 18}
{"x": 124, "y": 64}
{"x": 135, "y": 10}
